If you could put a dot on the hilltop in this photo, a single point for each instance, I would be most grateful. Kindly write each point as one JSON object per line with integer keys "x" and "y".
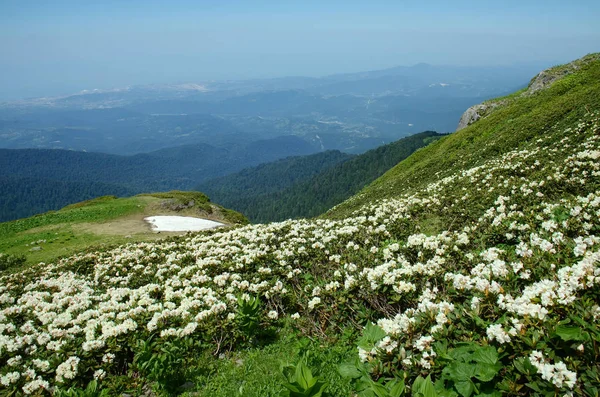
{"x": 103, "y": 221}
{"x": 471, "y": 268}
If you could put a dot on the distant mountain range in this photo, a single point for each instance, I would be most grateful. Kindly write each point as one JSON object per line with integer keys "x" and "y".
{"x": 347, "y": 112}
{"x": 162, "y": 137}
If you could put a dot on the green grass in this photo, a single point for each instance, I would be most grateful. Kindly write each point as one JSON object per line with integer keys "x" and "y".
{"x": 57, "y": 234}
{"x": 256, "y": 372}
{"x": 53, "y": 231}
{"x": 101, "y": 209}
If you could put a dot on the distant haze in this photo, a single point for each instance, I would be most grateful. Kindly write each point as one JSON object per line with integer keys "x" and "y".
{"x": 61, "y": 47}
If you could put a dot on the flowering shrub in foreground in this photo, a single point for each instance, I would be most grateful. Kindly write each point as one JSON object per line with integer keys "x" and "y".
{"x": 514, "y": 270}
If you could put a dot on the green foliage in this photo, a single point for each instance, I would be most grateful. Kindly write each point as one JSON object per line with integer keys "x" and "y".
{"x": 92, "y": 390}
{"x": 371, "y": 335}
{"x": 26, "y": 196}
{"x": 365, "y": 386}
{"x": 470, "y": 369}
{"x": 248, "y": 316}
{"x": 492, "y": 308}
{"x": 301, "y": 382}
{"x": 38, "y": 180}
{"x": 164, "y": 362}
{"x": 423, "y": 387}
{"x": 11, "y": 261}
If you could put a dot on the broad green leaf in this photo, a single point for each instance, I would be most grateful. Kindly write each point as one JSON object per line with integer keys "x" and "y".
{"x": 464, "y": 387}
{"x": 460, "y": 371}
{"x": 293, "y": 387}
{"x": 396, "y": 388}
{"x": 524, "y": 366}
{"x": 571, "y": 333}
{"x": 462, "y": 353}
{"x": 348, "y": 370}
{"x": 371, "y": 335}
{"x": 487, "y": 372}
{"x": 317, "y": 389}
{"x": 366, "y": 393}
{"x": 379, "y": 390}
{"x": 304, "y": 376}
{"x": 487, "y": 355}
{"x": 423, "y": 387}
{"x": 534, "y": 386}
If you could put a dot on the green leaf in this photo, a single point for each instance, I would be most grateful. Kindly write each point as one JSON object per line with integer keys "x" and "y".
{"x": 371, "y": 335}
{"x": 317, "y": 389}
{"x": 293, "y": 387}
{"x": 487, "y": 355}
{"x": 462, "y": 353}
{"x": 348, "y": 370}
{"x": 379, "y": 390}
{"x": 487, "y": 372}
{"x": 460, "y": 371}
{"x": 396, "y": 388}
{"x": 423, "y": 387}
{"x": 524, "y": 366}
{"x": 366, "y": 393}
{"x": 304, "y": 376}
{"x": 571, "y": 333}
{"x": 464, "y": 387}
{"x": 534, "y": 386}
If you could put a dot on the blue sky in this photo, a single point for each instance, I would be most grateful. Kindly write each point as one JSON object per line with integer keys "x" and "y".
{"x": 60, "y": 47}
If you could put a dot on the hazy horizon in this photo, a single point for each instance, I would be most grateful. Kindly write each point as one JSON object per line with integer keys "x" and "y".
{"x": 64, "y": 47}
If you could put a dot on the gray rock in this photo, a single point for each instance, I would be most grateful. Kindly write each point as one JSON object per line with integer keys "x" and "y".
{"x": 475, "y": 113}
{"x": 37, "y": 248}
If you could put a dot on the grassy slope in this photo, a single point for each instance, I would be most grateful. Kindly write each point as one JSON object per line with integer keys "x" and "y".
{"x": 521, "y": 120}
{"x": 254, "y": 371}
{"x": 101, "y": 221}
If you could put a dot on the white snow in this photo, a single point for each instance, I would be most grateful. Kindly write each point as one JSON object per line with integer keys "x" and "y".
{"x": 180, "y": 223}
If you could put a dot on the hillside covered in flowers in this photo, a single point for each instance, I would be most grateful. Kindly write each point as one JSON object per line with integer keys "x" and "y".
{"x": 471, "y": 268}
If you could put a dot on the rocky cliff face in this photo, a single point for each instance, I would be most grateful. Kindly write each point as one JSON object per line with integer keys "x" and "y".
{"x": 540, "y": 82}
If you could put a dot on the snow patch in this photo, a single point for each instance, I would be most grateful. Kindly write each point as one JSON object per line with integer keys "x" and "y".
{"x": 180, "y": 223}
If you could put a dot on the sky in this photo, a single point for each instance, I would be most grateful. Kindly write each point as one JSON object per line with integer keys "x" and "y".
{"x": 60, "y": 47}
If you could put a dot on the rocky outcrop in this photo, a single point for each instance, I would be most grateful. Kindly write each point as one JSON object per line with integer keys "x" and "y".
{"x": 474, "y": 113}
{"x": 540, "y": 82}
{"x": 547, "y": 77}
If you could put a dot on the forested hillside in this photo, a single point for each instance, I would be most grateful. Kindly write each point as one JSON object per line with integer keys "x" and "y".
{"x": 23, "y": 197}
{"x": 272, "y": 177}
{"x": 252, "y": 193}
{"x": 81, "y": 175}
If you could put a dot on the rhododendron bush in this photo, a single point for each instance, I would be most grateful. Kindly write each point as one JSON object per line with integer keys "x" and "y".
{"x": 506, "y": 283}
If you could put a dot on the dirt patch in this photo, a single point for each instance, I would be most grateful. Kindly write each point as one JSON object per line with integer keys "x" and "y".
{"x": 119, "y": 227}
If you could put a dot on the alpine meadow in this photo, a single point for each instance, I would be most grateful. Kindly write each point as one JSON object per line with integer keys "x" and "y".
{"x": 470, "y": 268}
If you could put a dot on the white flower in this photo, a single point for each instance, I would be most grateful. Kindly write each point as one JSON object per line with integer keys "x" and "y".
{"x": 67, "y": 370}
{"x": 313, "y": 302}
{"x": 496, "y": 332}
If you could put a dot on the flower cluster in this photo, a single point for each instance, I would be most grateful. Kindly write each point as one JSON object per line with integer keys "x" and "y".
{"x": 522, "y": 251}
